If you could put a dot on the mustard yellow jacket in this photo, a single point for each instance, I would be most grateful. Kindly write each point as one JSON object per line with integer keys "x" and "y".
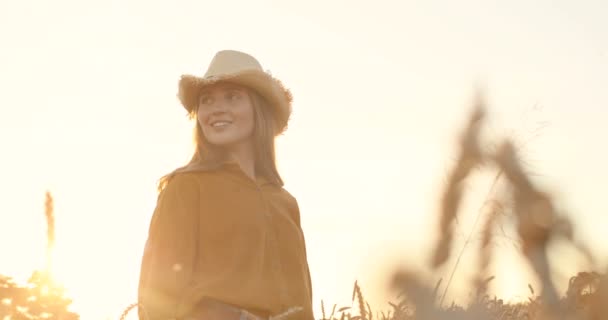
{"x": 219, "y": 234}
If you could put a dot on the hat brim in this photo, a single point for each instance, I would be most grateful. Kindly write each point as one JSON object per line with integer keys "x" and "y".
{"x": 278, "y": 97}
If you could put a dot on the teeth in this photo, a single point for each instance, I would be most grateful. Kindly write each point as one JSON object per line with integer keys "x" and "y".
{"x": 220, "y": 123}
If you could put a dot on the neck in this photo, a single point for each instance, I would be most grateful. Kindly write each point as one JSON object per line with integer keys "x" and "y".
{"x": 244, "y": 155}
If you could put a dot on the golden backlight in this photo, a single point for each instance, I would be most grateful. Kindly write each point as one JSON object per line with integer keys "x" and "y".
{"x": 88, "y": 111}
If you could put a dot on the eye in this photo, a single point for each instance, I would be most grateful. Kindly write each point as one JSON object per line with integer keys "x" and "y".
{"x": 205, "y": 100}
{"x": 233, "y": 95}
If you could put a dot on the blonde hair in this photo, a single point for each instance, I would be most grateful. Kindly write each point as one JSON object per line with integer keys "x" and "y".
{"x": 208, "y": 156}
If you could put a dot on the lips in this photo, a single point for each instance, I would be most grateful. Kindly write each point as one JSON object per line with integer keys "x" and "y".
{"x": 220, "y": 123}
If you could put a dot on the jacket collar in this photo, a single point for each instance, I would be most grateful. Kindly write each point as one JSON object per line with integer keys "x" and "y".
{"x": 227, "y": 166}
{"x": 234, "y": 167}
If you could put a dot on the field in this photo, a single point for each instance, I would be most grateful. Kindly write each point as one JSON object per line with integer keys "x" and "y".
{"x": 537, "y": 223}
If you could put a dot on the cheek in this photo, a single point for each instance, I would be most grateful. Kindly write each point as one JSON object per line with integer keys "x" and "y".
{"x": 246, "y": 116}
{"x": 201, "y": 117}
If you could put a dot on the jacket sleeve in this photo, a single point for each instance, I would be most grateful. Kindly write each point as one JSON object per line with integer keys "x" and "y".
{"x": 170, "y": 252}
{"x": 298, "y": 219}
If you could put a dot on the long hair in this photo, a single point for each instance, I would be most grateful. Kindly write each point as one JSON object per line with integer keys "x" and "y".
{"x": 208, "y": 156}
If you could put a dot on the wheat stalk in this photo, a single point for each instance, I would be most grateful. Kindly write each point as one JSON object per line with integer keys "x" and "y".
{"x": 287, "y": 313}
{"x": 130, "y": 307}
{"x": 360, "y": 300}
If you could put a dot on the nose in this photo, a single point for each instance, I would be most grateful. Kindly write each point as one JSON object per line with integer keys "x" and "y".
{"x": 218, "y": 105}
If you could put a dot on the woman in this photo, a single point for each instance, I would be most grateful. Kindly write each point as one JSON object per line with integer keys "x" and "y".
{"x": 225, "y": 240}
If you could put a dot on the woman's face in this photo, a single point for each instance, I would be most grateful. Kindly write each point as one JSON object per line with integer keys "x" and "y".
{"x": 225, "y": 114}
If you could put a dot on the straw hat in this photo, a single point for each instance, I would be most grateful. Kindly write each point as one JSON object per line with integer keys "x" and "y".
{"x": 243, "y": 69}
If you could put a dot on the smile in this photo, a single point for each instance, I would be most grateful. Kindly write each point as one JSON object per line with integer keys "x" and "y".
{"x": 217, "y": 124}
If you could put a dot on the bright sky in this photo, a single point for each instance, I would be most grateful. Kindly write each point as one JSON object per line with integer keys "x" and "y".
{"x": 88, "y": 111}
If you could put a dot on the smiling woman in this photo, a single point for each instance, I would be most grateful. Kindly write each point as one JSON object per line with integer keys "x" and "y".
{"x": 225, "y": 240}
{"x": 225, "y": 114}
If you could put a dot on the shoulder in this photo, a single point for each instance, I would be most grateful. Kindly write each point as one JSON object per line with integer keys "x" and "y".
{"x": 178, "y": 200}
{"x": 182, "y": 184}
{"x": 292, "y": 204}
{"x": 187, "y": 174}
{"x": 180, "y": 179}
{"x": 287, "y": 195}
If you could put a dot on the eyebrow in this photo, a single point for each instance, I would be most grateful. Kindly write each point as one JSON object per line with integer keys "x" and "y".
{"x": 224, "y": 87}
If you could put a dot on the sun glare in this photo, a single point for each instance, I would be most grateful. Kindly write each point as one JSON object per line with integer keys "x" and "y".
{"x": 88, "y": 109}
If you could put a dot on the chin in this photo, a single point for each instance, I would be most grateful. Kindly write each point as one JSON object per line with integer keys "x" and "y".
{"x": 223, "y": 142}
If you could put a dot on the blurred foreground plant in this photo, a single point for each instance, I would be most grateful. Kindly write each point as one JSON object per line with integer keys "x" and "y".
{"x": 537, "y": 222}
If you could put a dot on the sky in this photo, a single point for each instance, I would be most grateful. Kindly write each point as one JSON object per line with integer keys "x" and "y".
{"x": 88, "y": 111}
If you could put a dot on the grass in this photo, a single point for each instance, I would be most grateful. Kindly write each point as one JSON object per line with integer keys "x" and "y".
{"x": 585, "y": 299}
